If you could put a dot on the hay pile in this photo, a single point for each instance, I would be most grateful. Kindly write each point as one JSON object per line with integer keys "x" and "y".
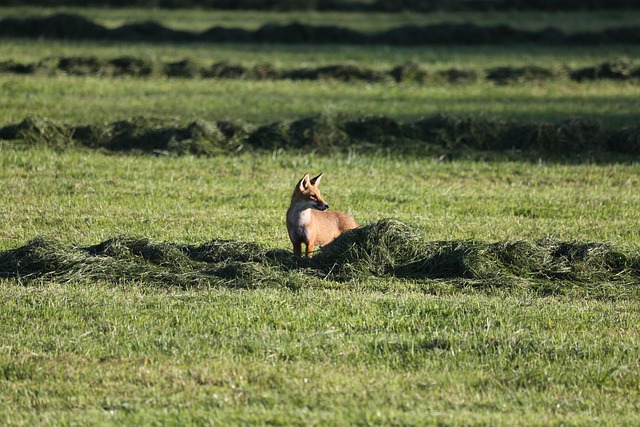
{"x": 385, "y": 6}
{"x": 384, "y": 249}
{"x": 412, "y": 72}
{"x": 615, "y": 70}
{"x": 392, "y": 248}
{"x": 74, "y": 27}
{"x": 440, "y": 135}
{"x": 140, "y": 260}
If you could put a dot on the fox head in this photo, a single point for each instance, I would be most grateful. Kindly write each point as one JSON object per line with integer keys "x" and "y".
{"x": 307, "y": 194}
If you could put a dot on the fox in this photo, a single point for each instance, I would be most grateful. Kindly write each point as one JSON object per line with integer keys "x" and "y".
{"x": 308, "y": 220}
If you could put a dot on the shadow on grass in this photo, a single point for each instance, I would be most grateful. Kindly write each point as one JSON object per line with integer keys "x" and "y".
{"x": 385, "y": 249}
{"x": 75, "y": 27}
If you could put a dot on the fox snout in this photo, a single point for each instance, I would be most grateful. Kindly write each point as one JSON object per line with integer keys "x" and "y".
{"x": 322, "y": 207}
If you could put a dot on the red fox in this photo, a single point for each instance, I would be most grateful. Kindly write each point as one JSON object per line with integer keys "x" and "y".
{"x": 309, "y": 222}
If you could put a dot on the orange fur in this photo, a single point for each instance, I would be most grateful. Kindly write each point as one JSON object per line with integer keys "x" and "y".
{"x": 308, "y": 220}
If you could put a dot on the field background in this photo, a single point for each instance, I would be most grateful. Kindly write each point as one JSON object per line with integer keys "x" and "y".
{"x": 317, "y": 351}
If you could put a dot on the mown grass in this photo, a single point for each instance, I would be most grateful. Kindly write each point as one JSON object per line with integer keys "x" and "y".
{"x": 103, "y": 355}
{"x": 84, "y": 197}
{"x": 379, "y": 57}
{"x": 95, "y": 100}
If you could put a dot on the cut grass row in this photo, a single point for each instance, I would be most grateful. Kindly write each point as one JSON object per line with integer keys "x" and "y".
{"x": 199, "y": 20}
{"x": 127, "y": 66}
{"x": 383, "y": 250}
{"x": 442, "y": 136}
{"x": 75, "y": 27}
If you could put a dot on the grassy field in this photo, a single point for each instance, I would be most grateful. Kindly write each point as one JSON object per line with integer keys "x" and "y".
{"x": 95, "y": 354}
{"x": 309, "y": 349}
{"x": 374, "y": 351}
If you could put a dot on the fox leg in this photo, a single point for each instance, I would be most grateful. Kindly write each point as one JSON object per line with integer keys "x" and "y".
{"x": 297, "y": 249}
{"x": 309, "y": 249}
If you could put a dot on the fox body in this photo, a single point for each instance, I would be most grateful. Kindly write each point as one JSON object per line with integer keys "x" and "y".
{"x": 308, "y": 220}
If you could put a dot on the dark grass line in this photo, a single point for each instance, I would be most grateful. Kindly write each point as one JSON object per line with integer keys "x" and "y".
{"x": 442, "y": 136}
{"x": 74, "y": 27}
{"x": 386, "y": 6}
{"x": 413, "y": 72}
{"x": 384, "y": 249}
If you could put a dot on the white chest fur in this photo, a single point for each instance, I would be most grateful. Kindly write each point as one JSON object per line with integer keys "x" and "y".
{"x": 299, "y": 220}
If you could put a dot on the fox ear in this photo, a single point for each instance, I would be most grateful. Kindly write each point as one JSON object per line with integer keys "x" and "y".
{"x": 315, "y": 181}
{"x": 304, "y": 182}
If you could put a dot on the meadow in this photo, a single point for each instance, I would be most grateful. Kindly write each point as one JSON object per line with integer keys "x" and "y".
{"x": 143, "y": 335}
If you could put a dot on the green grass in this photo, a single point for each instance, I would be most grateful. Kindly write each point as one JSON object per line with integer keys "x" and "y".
{"x": 95, "y": 354}
{"x": 330, "y": 350}
{"x": 288, "y": 56}
{"x": 95, "y": 100}
{"x": 84, "y": 197}
{"x": 375, "y": 351}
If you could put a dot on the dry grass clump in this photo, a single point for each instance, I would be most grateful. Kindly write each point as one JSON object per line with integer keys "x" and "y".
{"x": 392, "y": 248}
{"x": 377, "y": 249}
{"x": 122, "y": 259}
{"x": 627, "y": 141}
{"x": 410, "y": 72}
{"x": 38, "y": 131}
{"x": 186, "y": 68}
{"x": 614, "y": 70}
{"x": 341, "y": 72}
{"x": 569, "y": 136}
{"x": 323, "y": 132}
{"x": 554, "y": 260}
{"x": 141, "y": 260}
{"x": 457, "y": 75}
{"x": 82, "y": 66}
{"x": 510, "y": 75}
{"x": 164, "y": 136}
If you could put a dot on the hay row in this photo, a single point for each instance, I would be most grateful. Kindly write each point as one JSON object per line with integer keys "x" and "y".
{"x": 388, "y": 248}
{"x": 410, "y": 72}
{"x": 438, "y": 135}
{"x": 74, "y": 27}
{"x": 385, "y": 6}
